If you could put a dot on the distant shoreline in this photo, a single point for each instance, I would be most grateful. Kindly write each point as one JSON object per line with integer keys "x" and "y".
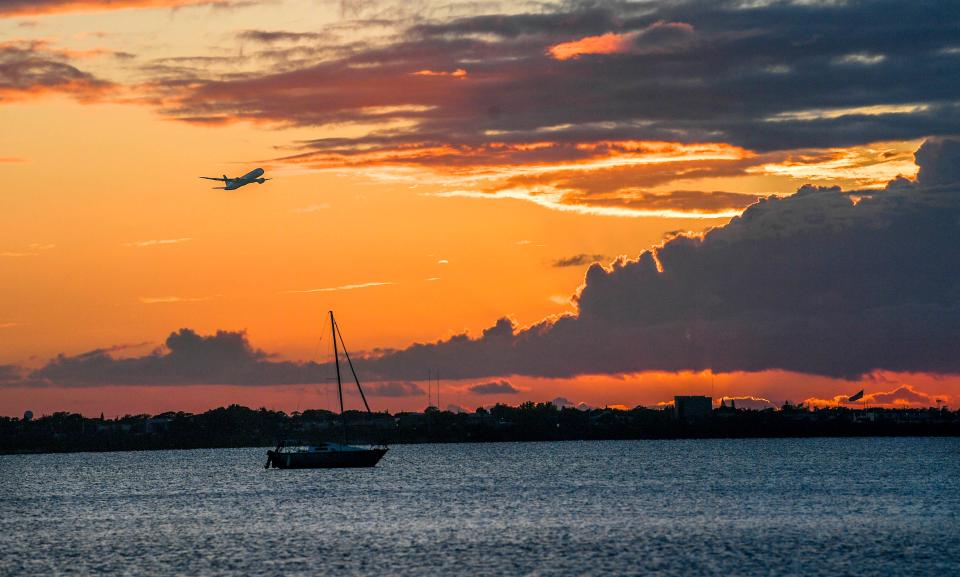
{"x": 241, "y": 427}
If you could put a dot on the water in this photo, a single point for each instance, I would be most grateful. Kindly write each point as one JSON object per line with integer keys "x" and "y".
{"x": 715, "y": 507}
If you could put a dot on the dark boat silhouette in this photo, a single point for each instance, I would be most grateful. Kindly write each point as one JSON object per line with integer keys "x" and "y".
{"x": 329, "y": 455}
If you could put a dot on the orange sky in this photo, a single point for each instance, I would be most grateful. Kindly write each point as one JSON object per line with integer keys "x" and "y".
{"x": 108, "y": 238}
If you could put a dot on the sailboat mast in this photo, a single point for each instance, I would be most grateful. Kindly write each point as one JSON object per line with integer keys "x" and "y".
{"x": 336, "y": 360}
{"x": 352, "y": 370}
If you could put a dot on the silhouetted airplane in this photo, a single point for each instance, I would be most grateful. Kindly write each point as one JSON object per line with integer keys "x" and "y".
{"x": 235, "y": 183}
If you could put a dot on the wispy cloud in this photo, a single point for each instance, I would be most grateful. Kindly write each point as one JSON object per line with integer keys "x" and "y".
{"x": 33, "y": 249}
{"x": 345, "y": 287}
{"x": 17, "y": 8}
{"x": 861, "y": 59}
{"x": 577, "y": 260}
{"x": 554, "y": 199}
{"x": 157, "y": 242}
{"x": 9, "y": 325}
{"x": 311, "y": 208}
{"x": 173, "y": 299}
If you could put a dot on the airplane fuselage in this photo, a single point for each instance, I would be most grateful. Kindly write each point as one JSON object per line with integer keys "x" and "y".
{"x": 248, "y": 178}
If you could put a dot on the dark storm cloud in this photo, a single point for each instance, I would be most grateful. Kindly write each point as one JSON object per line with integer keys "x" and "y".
{"x": 577, "y": 260}
{"x": 813, "y": 283}
{"x": 187, "y": 358}
{"x": 773, "y": 77}
{"x": 32, "y": 68}
{"x": 494, "y": 388}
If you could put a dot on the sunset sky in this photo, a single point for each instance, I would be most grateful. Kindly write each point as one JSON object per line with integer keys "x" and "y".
{"x": 771, "y": 190}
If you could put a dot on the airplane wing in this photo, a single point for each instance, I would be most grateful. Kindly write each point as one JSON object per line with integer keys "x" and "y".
{"x": 224, "y": 179}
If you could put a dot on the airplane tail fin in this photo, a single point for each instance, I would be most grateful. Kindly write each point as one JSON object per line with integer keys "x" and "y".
{"x": 225, "y": 178}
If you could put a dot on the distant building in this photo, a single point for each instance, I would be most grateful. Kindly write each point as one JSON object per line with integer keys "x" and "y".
{"x": 692, "y": 408}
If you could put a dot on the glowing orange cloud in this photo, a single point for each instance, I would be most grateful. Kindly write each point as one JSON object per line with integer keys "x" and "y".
{"x": 43, "y": 7}
{"x": 458, "y": 73}
{"x": 82, "y": 90}
{"x": 609, "y": 43}
{"x": 580, "y": 177}
{"x": 900, "y": 397}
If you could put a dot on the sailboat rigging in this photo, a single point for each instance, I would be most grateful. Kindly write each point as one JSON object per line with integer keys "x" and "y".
{"x": 330, "y": 455}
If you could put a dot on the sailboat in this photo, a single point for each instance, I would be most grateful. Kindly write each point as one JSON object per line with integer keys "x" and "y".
{"x": 330, "y": 455}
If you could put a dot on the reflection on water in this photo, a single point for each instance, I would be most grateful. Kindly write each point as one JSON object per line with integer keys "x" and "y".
{"x": 693, "y": 507}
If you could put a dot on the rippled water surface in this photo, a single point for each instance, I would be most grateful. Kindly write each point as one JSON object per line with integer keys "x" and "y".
{"x": 717, "y": 507}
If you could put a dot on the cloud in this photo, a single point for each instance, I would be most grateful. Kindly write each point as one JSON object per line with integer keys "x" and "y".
{"x": 458, "y": 73}
{"x": 345, "y": 287}
{"x": 483, "y": 104}
{"x": 565, "y": 403}
{"x": 311, "y": 208}
{"x": 173, "y": 299}
{"x": 577, "y": 260}
{"x": 822, "y": 282}
{"x": 33, "y": 249}
{"x": 186, "y": 358}
{"x": 10, "y": 375}
{"x": 658, "y": 38}
{"x": 17, "y": 8}
{"x": 32, "y": 68}
{"x": 902, "y": 396}
{"x": 681, "y": 72}
{"x": 157, "y": 242}
{"x": 813, "y": 283}
{"x": 860, "y": 59}
{"x": 277, "y": 36}
{"x": 609, "y": 43}
{"x": 748, "y": 402}
{"x": 938, "y": 161}
{"x": 394, "y": 389}
{"x": 494, "y": 388}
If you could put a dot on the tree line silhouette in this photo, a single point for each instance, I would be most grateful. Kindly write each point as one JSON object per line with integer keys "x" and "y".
{"x": 238, "y": 426}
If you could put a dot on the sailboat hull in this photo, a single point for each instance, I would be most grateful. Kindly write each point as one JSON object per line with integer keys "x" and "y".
{"x": 325, "y": 460}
